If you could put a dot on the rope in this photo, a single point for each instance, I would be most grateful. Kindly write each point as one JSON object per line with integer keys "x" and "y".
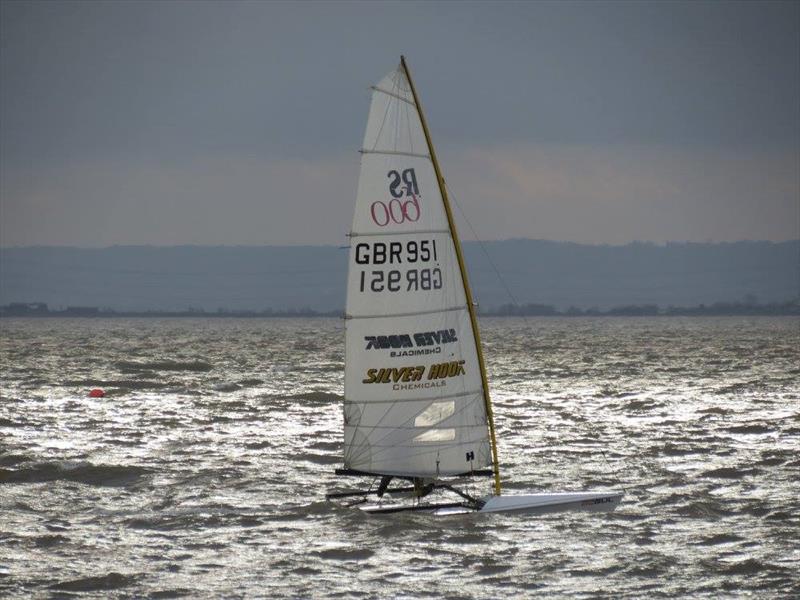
{"x": 482, "y": 245}
{"x": 611, "y": 473}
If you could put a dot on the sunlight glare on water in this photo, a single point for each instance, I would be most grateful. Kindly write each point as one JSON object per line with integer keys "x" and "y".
{"x": 202, "y": 472}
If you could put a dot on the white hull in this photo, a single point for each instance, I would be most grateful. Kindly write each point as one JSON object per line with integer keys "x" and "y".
{"x": 513, "y": 503}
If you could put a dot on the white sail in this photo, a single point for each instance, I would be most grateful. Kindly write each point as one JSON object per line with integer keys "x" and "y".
{"x": 414, "y": 399}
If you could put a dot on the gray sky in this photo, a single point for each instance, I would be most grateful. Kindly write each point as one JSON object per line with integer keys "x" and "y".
{"x": 239, "y": 122}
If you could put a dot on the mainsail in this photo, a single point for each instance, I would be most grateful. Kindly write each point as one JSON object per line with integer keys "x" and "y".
{"x": 415, "y": 398}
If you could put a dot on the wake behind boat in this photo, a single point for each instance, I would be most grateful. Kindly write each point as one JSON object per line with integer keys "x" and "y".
{"x": 417, "y": 412}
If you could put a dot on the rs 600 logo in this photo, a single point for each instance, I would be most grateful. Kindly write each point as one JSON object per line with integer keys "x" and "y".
{"x": 398, "y": 210}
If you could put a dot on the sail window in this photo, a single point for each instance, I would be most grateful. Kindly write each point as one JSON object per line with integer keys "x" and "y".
{"x": 437, "y": 435}
{"x": 435, "y": 413}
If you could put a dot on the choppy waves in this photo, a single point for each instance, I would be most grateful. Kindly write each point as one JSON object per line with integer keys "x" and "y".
{"x": 202, "y": 472}
{"x": 80, "y": 472}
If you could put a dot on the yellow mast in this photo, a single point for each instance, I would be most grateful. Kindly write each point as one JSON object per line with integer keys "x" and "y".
{"x": 459, "y": 256}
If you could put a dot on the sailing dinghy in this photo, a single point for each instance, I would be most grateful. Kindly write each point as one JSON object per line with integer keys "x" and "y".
{"x": 417, "y": 412}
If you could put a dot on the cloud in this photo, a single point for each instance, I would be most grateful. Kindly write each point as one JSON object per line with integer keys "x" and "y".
{"x": 620, "y": 193}
{"x": 212, "y": 200}
{"x": 584, "y": 193}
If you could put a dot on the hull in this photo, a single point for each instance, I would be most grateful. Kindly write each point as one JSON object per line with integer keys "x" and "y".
{"x": 601, "y": 501}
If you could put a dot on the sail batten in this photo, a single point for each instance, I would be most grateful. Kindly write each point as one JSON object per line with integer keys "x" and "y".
{"x": 388, "y": 93}
{"x": 408, "y": 314}
{"x": 438, "y": 397}
{"x": 395, "y": 153}
{"x": 369, "y": 233}
{"x": 414, "y": 386}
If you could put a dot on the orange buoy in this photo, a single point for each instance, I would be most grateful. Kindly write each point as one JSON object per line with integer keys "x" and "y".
{"x": 97, "y": 393}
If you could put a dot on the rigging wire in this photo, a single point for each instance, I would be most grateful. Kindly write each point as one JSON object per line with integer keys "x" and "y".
{"x": 525, "y": 317}
{"x": 481, "y": 244}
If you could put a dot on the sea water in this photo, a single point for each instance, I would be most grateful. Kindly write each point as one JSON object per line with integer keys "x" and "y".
{"x": 202, "y": 472}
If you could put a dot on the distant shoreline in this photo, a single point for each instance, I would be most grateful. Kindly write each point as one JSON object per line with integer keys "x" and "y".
{"x": 717, "y": 309}
{"x": 291, "y": 280}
